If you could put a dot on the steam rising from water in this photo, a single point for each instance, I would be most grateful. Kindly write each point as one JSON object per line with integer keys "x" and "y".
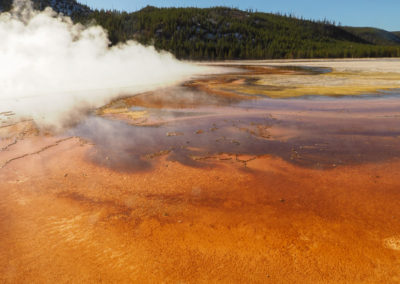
{"x": 51, "y": 69}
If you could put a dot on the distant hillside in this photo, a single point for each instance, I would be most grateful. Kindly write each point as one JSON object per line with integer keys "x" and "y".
{"x": 225, "y": 33}
{"x": 375, "y": 36}
{"x": 396, "y": 33}
{"x": 67, "y": 7}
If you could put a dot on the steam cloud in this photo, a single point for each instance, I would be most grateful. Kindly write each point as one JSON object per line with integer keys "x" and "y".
{"x": 50, "y": 68}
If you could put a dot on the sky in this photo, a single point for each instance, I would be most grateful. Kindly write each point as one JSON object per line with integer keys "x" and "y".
{"x": 372, "y": 13}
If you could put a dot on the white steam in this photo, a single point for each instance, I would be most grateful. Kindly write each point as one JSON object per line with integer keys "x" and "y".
{"x": 51, "y": 68}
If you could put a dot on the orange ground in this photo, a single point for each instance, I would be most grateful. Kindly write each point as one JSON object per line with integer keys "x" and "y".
{"x": 166, "y": 199}
{"x": 66, "y": 220}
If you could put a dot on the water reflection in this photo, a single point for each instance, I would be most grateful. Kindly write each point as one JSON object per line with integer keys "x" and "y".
{"x": 314, "y": 132}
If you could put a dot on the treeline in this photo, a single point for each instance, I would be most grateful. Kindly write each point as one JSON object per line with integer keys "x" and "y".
{"x": 224, "y": 33}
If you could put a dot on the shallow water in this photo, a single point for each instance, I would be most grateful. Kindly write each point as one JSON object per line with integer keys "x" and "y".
{"x": 311, "y": 131}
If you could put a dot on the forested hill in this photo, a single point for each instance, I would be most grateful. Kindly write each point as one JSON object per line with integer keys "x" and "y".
{"x": 375, "y": 36}
{"x": 225, "y": 33}
{"x": 67, "y": 7}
